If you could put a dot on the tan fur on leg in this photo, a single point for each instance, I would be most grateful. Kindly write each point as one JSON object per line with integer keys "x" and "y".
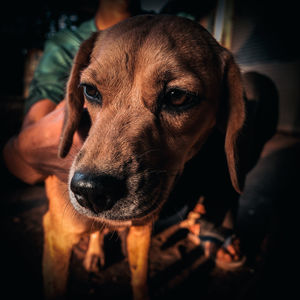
{"x": 138, "y": 244}
{"x": 61, "y": 232}
{"x": 56, "y": 257}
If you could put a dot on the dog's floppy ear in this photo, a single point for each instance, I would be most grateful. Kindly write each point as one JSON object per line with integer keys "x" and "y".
{"x": 232, "y": 116}
{"x": 74, "y": 97}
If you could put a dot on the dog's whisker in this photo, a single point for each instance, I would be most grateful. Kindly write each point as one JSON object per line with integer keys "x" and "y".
{"x": 153, "y": 218}
{"x": 138, "y": 157}
{"x": 112, "y": 234}
{"x": 66, "y": 208}
{"x": 91, "y": 228}
{"x": 103, "y": 226}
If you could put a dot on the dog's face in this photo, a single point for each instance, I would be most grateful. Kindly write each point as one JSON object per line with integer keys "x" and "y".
{"x": 154, "y": 87}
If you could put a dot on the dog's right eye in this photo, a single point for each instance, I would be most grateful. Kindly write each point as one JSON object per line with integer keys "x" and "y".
{"x": 91, "y": 93}
{"x": 177, "y": 100}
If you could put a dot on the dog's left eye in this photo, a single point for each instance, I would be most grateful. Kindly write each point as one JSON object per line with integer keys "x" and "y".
{"x": 179, "y": 100}
{"x": 91, "y": 93}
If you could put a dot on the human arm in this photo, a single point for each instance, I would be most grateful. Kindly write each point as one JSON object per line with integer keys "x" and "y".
{"x": 32, "y": 154}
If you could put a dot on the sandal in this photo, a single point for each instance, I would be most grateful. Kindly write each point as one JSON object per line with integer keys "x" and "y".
{"x": 220, "y": 244}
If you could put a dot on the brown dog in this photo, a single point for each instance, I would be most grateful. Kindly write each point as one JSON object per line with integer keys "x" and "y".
{"x": 156, "y": 88}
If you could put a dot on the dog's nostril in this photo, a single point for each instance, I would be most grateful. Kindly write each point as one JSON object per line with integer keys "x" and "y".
{"x": 97, "y": 192}
{"x": 81, "y": 183}
{"x": 81, "y": 187}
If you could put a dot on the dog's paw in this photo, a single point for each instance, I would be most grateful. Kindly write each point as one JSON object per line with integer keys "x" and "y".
{"x": 93, "y": 262}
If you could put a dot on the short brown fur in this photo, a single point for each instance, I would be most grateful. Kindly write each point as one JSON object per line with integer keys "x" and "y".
{"x": 134, "y": 137}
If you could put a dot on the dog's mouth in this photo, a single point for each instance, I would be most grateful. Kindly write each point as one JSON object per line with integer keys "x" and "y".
{"x": 123, "y": 210}
{"x": 135, "y": 199}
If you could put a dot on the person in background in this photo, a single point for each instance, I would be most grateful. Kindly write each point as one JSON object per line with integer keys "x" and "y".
{"x": 31, "y": 155}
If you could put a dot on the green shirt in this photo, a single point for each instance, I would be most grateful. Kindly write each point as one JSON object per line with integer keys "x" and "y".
{"x": 52, "y": 72}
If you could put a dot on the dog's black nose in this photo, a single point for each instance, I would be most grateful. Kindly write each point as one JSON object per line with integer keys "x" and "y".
{"x": 97, "y": 192}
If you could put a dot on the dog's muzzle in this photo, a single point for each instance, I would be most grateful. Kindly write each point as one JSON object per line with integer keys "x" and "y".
{"x": 97, "y": 192}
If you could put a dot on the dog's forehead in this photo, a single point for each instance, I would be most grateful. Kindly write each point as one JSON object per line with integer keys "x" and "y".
{"x": 152, "y": 45}
{"x": 155, "y": 33}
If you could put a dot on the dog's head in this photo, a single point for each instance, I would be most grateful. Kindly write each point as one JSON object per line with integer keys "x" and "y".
{"x": 154, "y": 88}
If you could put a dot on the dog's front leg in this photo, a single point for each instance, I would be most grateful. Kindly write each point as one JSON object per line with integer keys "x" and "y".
{"x": 138, "y": 244}
{"x": 59, "y": 239}
{"x": 56, "y": 257}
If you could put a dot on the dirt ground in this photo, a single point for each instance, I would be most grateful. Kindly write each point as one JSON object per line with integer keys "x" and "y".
{"x": 178, "y": 268}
